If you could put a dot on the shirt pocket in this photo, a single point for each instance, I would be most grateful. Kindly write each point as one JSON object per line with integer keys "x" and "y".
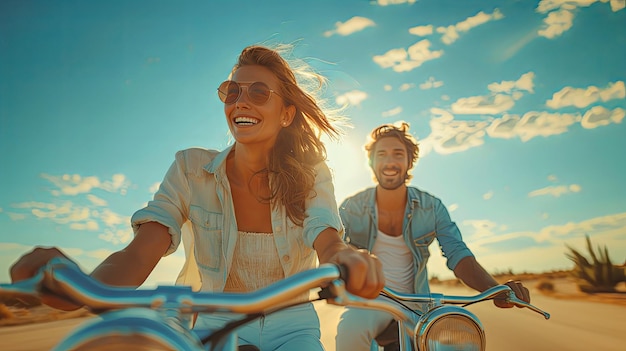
{"x": 422, "y": 243}
{"x": 207, "y": 229}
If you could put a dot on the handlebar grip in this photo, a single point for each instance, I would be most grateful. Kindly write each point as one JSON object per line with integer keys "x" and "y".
{"x": 325, "y": 292}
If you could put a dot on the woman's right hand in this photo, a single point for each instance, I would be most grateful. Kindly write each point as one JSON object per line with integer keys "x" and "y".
{"x": 29, "y": 265}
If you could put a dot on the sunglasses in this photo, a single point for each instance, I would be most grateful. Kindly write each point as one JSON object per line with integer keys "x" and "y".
{"x": 258, "y": 93}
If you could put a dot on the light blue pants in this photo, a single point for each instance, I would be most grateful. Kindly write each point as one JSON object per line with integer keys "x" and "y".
{"x": 295, "y": 328}
{"x": 358, "y": 327}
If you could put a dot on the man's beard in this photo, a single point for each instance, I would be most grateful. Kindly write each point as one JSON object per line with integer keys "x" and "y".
{"x": 392, "y": 184}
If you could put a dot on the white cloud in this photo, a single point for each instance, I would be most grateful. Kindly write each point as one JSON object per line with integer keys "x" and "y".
{"x": 502, "y": 98}
{"x": 583, "y": 97}
{"x": 87, "y": 225}
{"x": 406, "y": 86}
{"x": 64, "y": 213}
{"x": 451, "y": 33}
{"x": 154, "y": 187}
{"x": 165, "y": 273}
{"x": 393, "y": 112}
{"x": 118, "y": 236}
{"x": 78, "y": 217}
{"x": 524, "y": 83}
{"x": 589, "y": 226}
{"x": 394, "y": 2}
{"x": 599, "y": 116}
{"x": 431, "y": 83}
{"x": 556, "y": 191}
{"x": 421, "y": 31}
{"x": 117, "y": 184}
{"x": 488, "y": 195}
{"x": 532, "y": 124}
{"x": 611, "y": 226}
{"x": 391, "y": 58}
{"x": 16, "y": 216}
{"x": 556, "y": 24}
{"x": 488, "y": 105}
{"x": 353, "y": 98}
{"x": 351, "y": 26}
{"x": 6, "y": 246}
{"x": 453, "y": 207}
{"x": 401, "y": 60}
{"x": 34, "y": 204}
{"x": 96, "y": 200}
{"x": 481, "y": 228}
{"x": 449, "y": 135}
{"x": 74, "y": 184}
{"x": 617, "y": 5}
{"x": 560, "y": 14}
{"x": 549, "y": 5}
{"x": 112, "y": 219}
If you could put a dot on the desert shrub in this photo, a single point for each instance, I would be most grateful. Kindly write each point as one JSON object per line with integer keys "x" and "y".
{"x": 5, "y": 312}
{"x": 545, "y": 286}
{"x": 19, "y": 300}
{"x": 598, "y": 274}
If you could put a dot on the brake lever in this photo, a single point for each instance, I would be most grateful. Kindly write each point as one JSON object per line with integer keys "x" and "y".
{"x": 513, "y": 299}
{"x": 325, "y": 293}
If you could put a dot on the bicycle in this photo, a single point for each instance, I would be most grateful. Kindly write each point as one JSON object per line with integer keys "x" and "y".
{"x": 161, "y": 318}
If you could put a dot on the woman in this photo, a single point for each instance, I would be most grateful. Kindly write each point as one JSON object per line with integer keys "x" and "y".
{"x": 259, "y": 209}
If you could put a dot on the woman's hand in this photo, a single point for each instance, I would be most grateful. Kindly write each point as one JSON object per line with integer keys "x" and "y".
{"x": 365, "y": 271}
{"x": 29, "y": 265}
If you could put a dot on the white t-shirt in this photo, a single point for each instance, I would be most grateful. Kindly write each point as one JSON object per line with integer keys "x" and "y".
{"x": 397, "y": 262}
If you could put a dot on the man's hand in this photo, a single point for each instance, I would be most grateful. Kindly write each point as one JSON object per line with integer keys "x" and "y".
{"x": 520, "y": 291}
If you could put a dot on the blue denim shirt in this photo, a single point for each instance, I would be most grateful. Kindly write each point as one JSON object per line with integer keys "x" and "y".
{"x": 195, "y": 203}
{"x": 425, "y": 219}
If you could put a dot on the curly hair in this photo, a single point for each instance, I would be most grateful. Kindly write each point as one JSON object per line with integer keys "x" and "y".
{"x": 298, "y": 147}
{"x": 400, "y": 131}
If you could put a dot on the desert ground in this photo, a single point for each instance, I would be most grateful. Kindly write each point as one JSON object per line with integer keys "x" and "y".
{"x": 40, "y": 328}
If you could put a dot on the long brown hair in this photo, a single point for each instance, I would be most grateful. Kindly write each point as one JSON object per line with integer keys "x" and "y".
{"x": 298, "y": 147}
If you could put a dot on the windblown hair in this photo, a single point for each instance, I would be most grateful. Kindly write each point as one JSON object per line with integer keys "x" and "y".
{"x": 400, "y": 131}
{"x": 298, "y": 147}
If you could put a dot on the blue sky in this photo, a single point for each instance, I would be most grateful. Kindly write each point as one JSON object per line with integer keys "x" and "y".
{"x": 518, "y": 107}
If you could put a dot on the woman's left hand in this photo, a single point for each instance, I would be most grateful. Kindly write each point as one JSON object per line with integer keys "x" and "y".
{"x": 365, "y": 272}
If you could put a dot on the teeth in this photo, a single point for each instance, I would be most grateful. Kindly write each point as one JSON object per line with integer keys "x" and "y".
{"x": 390, "y": 172}
{"x": 246, "y": 121}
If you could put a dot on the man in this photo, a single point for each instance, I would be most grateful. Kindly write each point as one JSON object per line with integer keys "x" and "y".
{"x": 397, "y": 223}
